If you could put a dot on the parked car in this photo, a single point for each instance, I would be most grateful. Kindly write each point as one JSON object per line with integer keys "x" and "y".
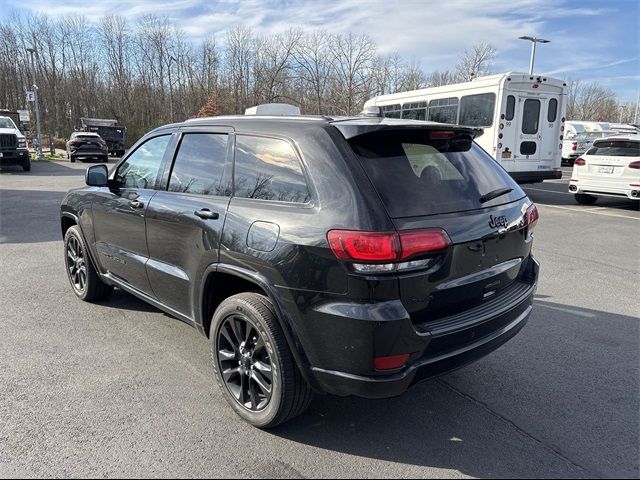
{"x": 13, "y": 145}
{"x": 575, "y": 145}
{"x": 610, "y": 168}
{"x": 86, "y": 145}
{"x": 349, "y": 256}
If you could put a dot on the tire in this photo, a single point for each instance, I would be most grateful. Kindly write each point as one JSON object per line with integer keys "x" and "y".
{"x": 259, "y": 331}
{"x": 584, "y": 199}
{"x": 26, "y": 166}
{"x": 83, "y": 277}
{"x": 72, "y": 159}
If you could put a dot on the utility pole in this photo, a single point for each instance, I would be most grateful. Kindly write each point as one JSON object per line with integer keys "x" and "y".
{"x": 533, "y": 41}
{"x": 635, "y": 115}
{"x": 171, "y": 59}
{"x": 39, "y": 156}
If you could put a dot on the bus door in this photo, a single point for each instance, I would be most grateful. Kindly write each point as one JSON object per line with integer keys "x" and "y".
{"x": 530, "y": 110}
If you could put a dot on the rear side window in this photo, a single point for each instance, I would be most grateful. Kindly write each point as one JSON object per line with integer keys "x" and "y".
{"x": 477, "y": 110}
{"x": 415, "y": 111}
{"x": 616, "y": 148}
{"x": 511, "y": 108}
{"x": 268, "y": 169}
{"x": 552, "y": 113}
{"x": 531, "y": 116}
{"x": 415, "y": 175}
{"x": 199, "y": 165}
{"x": 444, "y": 110}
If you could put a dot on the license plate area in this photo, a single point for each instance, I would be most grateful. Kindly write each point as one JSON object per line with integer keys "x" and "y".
{"x": 605, "y": 169}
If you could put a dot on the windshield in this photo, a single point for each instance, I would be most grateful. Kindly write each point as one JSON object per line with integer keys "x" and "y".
{"x": 415, "y": 175}
{"x": 7, "y": 123}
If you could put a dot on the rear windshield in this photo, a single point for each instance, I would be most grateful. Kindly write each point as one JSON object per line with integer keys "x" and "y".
{"x": 415, "y": 175}
{"x": 616, "y": 148}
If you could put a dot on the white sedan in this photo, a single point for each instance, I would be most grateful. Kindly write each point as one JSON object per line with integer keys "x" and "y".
{"x": 610, "y": 168}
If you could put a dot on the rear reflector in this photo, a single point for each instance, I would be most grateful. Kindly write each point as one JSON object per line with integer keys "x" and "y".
{"x": 390, "y": 363}
{"x": 635, "y": 165}
{"x": 381, "y": 247}
{"x": 580, "y": 162}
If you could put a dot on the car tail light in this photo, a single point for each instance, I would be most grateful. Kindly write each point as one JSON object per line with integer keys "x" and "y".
{"x": 386, "y": 247}
{"x": 635, "y": 165}
{"x": 364, "y": 246}
{"x": 532, "y": 217}
{"x": 580, "y": 162}
{"x": 390, "y": 363}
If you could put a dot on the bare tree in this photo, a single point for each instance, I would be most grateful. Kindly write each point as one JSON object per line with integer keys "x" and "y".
{"x": 475, "y": 62}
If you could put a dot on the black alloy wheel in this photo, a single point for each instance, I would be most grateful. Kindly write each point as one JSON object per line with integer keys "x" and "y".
{"x": 244, "y": 363}
{"x": 76, "y": 263}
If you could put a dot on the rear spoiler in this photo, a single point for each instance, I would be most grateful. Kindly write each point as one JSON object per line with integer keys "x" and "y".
{"x": 354, "y": 127}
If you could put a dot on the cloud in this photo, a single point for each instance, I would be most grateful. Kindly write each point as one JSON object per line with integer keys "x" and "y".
{"x": 585, "y": 38}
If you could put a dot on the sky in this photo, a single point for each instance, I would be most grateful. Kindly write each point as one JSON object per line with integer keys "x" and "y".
{"x": 590, "y": 40}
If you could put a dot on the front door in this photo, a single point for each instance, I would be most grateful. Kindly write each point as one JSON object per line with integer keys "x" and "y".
{"x": 185, "y": 218}
{"x": 119, "y": 214}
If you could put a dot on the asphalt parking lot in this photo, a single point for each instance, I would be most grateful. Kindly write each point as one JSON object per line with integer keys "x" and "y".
{"x": 121, "y": 389}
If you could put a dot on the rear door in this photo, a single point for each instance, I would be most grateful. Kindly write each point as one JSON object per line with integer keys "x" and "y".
{"x": 608, "y": 162}
{"x": 530, "y": 132}
{"x": 186, "y": 217}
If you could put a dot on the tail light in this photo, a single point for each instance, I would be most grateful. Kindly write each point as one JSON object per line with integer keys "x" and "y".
{"x": 386, "y": 251}
{"x": 574, "y": 146}
{"x": 580, "y": 162}
{"x": 532, "y": 217}
{"x": 635, "y": 165}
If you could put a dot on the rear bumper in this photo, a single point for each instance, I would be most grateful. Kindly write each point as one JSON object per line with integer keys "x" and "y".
{"x": 89, "y": 153}
{"x": 14, "y": 157}
{"x": 535, "y": 177}
{"x": 446, "y": 344}
{"x": 604, "y": 188}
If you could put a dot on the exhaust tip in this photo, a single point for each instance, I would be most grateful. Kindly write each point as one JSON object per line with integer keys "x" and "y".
{"x": 573, "y": 188}
{"x": 635, "y": 193}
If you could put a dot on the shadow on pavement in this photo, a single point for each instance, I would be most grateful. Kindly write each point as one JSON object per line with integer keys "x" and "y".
{"x": 578, "y": 397}
{"x": 30, "y": 216}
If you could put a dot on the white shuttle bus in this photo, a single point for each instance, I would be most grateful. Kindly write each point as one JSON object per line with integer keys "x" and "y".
{"x": 523, "y": 117}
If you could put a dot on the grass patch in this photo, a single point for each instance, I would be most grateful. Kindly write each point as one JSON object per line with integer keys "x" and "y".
{"x": 47, "y": 156}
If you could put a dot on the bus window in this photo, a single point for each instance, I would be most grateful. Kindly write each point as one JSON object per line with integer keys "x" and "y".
{"x": 553, "y": 110}
{"x": 444, "y": 110}
{"x": 531, "y": 116}
{"x": 415, "y": 111}
{"x": 511, "y": 108}
{"x": 477, "y": 110}
{"x": 391, "y": 111}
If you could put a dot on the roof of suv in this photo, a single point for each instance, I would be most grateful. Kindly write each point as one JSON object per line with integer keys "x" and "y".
{"x": 349, "y": 126}
{"x": 625, "y": 137}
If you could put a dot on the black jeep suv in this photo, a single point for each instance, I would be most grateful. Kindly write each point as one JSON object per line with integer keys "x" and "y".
{"x": 350, "y": 256}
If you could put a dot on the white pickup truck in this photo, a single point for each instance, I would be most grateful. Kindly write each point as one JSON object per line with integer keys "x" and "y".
{"x": 13, "y": 145}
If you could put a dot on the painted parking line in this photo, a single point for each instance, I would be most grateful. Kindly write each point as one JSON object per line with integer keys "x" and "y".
{"x": 547, "y": 191}
{"x": 581, "y": 210}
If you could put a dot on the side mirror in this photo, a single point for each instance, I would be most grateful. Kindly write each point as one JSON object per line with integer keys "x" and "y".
{"x": 97, "y": 176}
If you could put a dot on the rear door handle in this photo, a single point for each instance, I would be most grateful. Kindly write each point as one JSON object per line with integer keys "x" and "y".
{"x": 136, "y": 204}
{"x": 207, "y": 214}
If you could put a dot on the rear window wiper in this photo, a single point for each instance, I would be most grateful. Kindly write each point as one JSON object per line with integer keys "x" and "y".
{"x": 495, "y": 194}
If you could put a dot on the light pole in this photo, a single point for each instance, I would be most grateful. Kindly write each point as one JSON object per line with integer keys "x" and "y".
{"x": 39, "y": 156}
{"x": 171, "y": 59}
{"x": 533, "y": 41}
